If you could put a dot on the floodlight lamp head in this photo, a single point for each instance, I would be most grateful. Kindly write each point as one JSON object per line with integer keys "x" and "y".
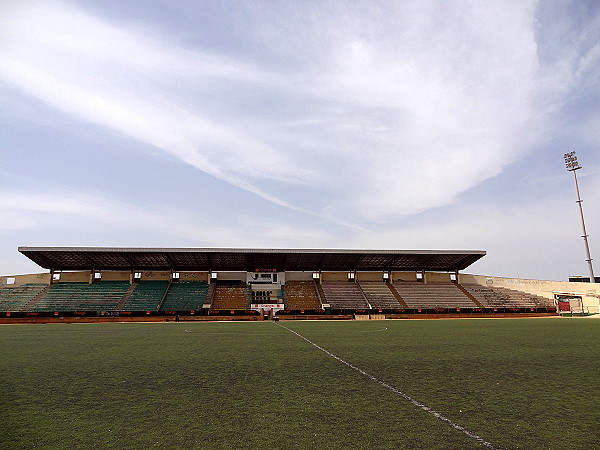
{"x": 571, "y": 161}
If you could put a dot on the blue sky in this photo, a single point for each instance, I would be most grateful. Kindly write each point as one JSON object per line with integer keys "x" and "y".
{"x": 319, "y": 124}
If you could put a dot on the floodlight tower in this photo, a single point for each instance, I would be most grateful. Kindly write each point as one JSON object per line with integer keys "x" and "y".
{"x": 572, "y": 166}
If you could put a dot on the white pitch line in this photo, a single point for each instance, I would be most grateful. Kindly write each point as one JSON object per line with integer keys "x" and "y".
{"x": 373, "y": 331}
{"x": 400, "y": 393}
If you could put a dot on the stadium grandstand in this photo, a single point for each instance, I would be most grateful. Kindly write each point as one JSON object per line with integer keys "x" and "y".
{"x": 102, "y": 283}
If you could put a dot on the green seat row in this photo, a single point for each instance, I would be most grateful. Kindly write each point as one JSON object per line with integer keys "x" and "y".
{"x": 146, "y": 296}
{"x": 13, "y": 299}
{"x": 99, "y": 296}
{"x": 185, "y": 296}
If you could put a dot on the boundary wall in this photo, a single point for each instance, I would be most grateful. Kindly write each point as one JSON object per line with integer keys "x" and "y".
{"x": 107, "y": 275}
{"x": 20, "y": 280}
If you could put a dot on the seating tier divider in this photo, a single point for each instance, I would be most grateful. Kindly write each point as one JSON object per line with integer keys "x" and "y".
{"x": 468, "y": 294}
{"x": 126, "y": 297}
{"x": 396, "y": 294}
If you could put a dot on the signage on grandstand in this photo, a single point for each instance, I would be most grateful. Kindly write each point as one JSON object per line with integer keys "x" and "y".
{"x": 267, "y": 306}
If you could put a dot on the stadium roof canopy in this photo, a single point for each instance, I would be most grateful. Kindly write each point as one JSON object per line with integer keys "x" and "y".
{"x": 250, "y": 260}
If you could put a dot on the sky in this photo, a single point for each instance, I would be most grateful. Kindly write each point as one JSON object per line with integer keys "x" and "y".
{"x": 316, "y": 124}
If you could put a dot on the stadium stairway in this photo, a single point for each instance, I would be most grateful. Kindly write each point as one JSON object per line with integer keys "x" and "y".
{"x": 468, "y": 294}
{"x": 397, "y": 295}
{"x": 125, "y": 297}
{"x": 320, "y": 292}
{"x": 210, "y": 295}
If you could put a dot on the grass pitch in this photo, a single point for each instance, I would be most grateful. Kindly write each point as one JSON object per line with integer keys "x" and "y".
{"x": 522, "y": 383}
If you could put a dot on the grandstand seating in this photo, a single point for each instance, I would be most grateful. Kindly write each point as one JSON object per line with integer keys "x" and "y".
{"x": 344, "y": 295}
{"x": 185, "y": 296}
{"x": 230, "y": 295}
{"x": 235, "y": 295}
{"x": 499, "y": 297}
{"x": 146, "y": 296}
{"x": 15, "y": 298}
{"x": 432, "y": 295}
{"x": 301, "y": 295}
{"x": 379, "y": 295}
{"x": 99, "y": 296}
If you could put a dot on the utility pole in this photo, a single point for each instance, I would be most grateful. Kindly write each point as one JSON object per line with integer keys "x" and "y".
{"x": 573, "y": 166}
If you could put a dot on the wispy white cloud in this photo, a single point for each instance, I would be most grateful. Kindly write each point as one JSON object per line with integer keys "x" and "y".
{"x": 98, "y": 215}
{"x": 126, "y": 81}
{"x": 358, "y": 112}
